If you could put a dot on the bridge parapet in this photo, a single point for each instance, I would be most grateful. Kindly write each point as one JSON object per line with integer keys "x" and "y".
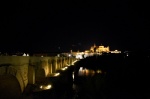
{"x": 29, "y": 70}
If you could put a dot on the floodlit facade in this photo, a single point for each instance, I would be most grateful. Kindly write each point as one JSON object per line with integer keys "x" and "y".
{"x": 115, "y": 51}
{"x": 99, "y": 49}
{"x": 94, "y": 50}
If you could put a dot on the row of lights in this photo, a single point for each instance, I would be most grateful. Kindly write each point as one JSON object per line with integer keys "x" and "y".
{"x": 49, "y": 86}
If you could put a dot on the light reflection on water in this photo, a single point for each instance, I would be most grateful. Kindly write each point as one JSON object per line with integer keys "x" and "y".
{"x": 88, "y": 72}
{"x": 89, "y": 83}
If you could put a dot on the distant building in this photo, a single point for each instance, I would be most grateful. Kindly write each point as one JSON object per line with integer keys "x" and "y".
{"x": 99, "y": 49}
{"x": 115, "y": 51}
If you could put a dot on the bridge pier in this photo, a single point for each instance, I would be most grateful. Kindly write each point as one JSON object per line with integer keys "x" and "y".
{"x": 30, "y": 70}
{"x": 31, "y": 74}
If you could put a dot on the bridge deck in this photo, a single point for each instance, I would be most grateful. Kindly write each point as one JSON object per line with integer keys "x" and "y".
{"x": 105, "y": 77}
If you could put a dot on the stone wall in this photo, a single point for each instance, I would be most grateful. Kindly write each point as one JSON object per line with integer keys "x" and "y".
{"x": 29, "y": 70}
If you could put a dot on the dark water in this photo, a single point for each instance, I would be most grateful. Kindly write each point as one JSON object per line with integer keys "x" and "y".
{"x": 89, "y": 84}
{"x": 74, "y": 84}
{"x": 61, "y": 87}
{"x": 113, "y": 77}
{"x": 104, "y": 77}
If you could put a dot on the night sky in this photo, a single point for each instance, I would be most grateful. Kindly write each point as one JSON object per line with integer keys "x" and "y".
{"x": 28, "y": 25}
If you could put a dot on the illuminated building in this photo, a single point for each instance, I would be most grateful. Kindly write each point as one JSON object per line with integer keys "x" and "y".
{"x": 99, "y": 49}
{"x": 115, "y": 51}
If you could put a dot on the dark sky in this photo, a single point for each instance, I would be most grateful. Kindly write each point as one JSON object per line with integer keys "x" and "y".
{"x": 28, "y": 25}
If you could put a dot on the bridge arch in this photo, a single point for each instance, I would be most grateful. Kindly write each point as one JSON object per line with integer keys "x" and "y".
{"x": 11, "y": 70}
{"x": 9, "y": 87}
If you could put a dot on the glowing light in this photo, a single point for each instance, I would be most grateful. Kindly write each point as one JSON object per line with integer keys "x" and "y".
{"x": 64, "y": 68}
{"x": 46, "y": 87}
{"x": 24, "y": 54}
{"x": 74, "y": 62}
{"x": 86, "y": 72}
{"x": 81, "y": 68}
{"x": 99, "y": 71}
{"x": 73, "y": 76}
{"x": 67, "y": 64}
{"x": 41, "y": 87}
{"x": 57, "y": 74}
{"x": 115, "y": 51}
{"x": 79, "y": 56}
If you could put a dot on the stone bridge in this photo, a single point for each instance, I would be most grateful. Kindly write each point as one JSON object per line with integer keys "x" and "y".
{"x": 29, "y": 70}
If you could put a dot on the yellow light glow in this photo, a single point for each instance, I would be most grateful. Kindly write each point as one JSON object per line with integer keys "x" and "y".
{"x": 57, "y": 74}
{"x": 73, "y": 75}
{"x": 68, "y": 65}
{"x": 48, "y": 87}
{"x": 41, "y": 87}
{"x": 45, "y": 87}
{"x": 64, "y": 68}
{"x": 99, "y": 71}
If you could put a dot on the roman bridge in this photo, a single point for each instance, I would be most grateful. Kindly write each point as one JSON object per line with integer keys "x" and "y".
{"x": 29, "y": 69}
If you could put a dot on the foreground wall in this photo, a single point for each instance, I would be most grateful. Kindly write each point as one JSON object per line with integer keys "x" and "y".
{"x": 29, "y": 70}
